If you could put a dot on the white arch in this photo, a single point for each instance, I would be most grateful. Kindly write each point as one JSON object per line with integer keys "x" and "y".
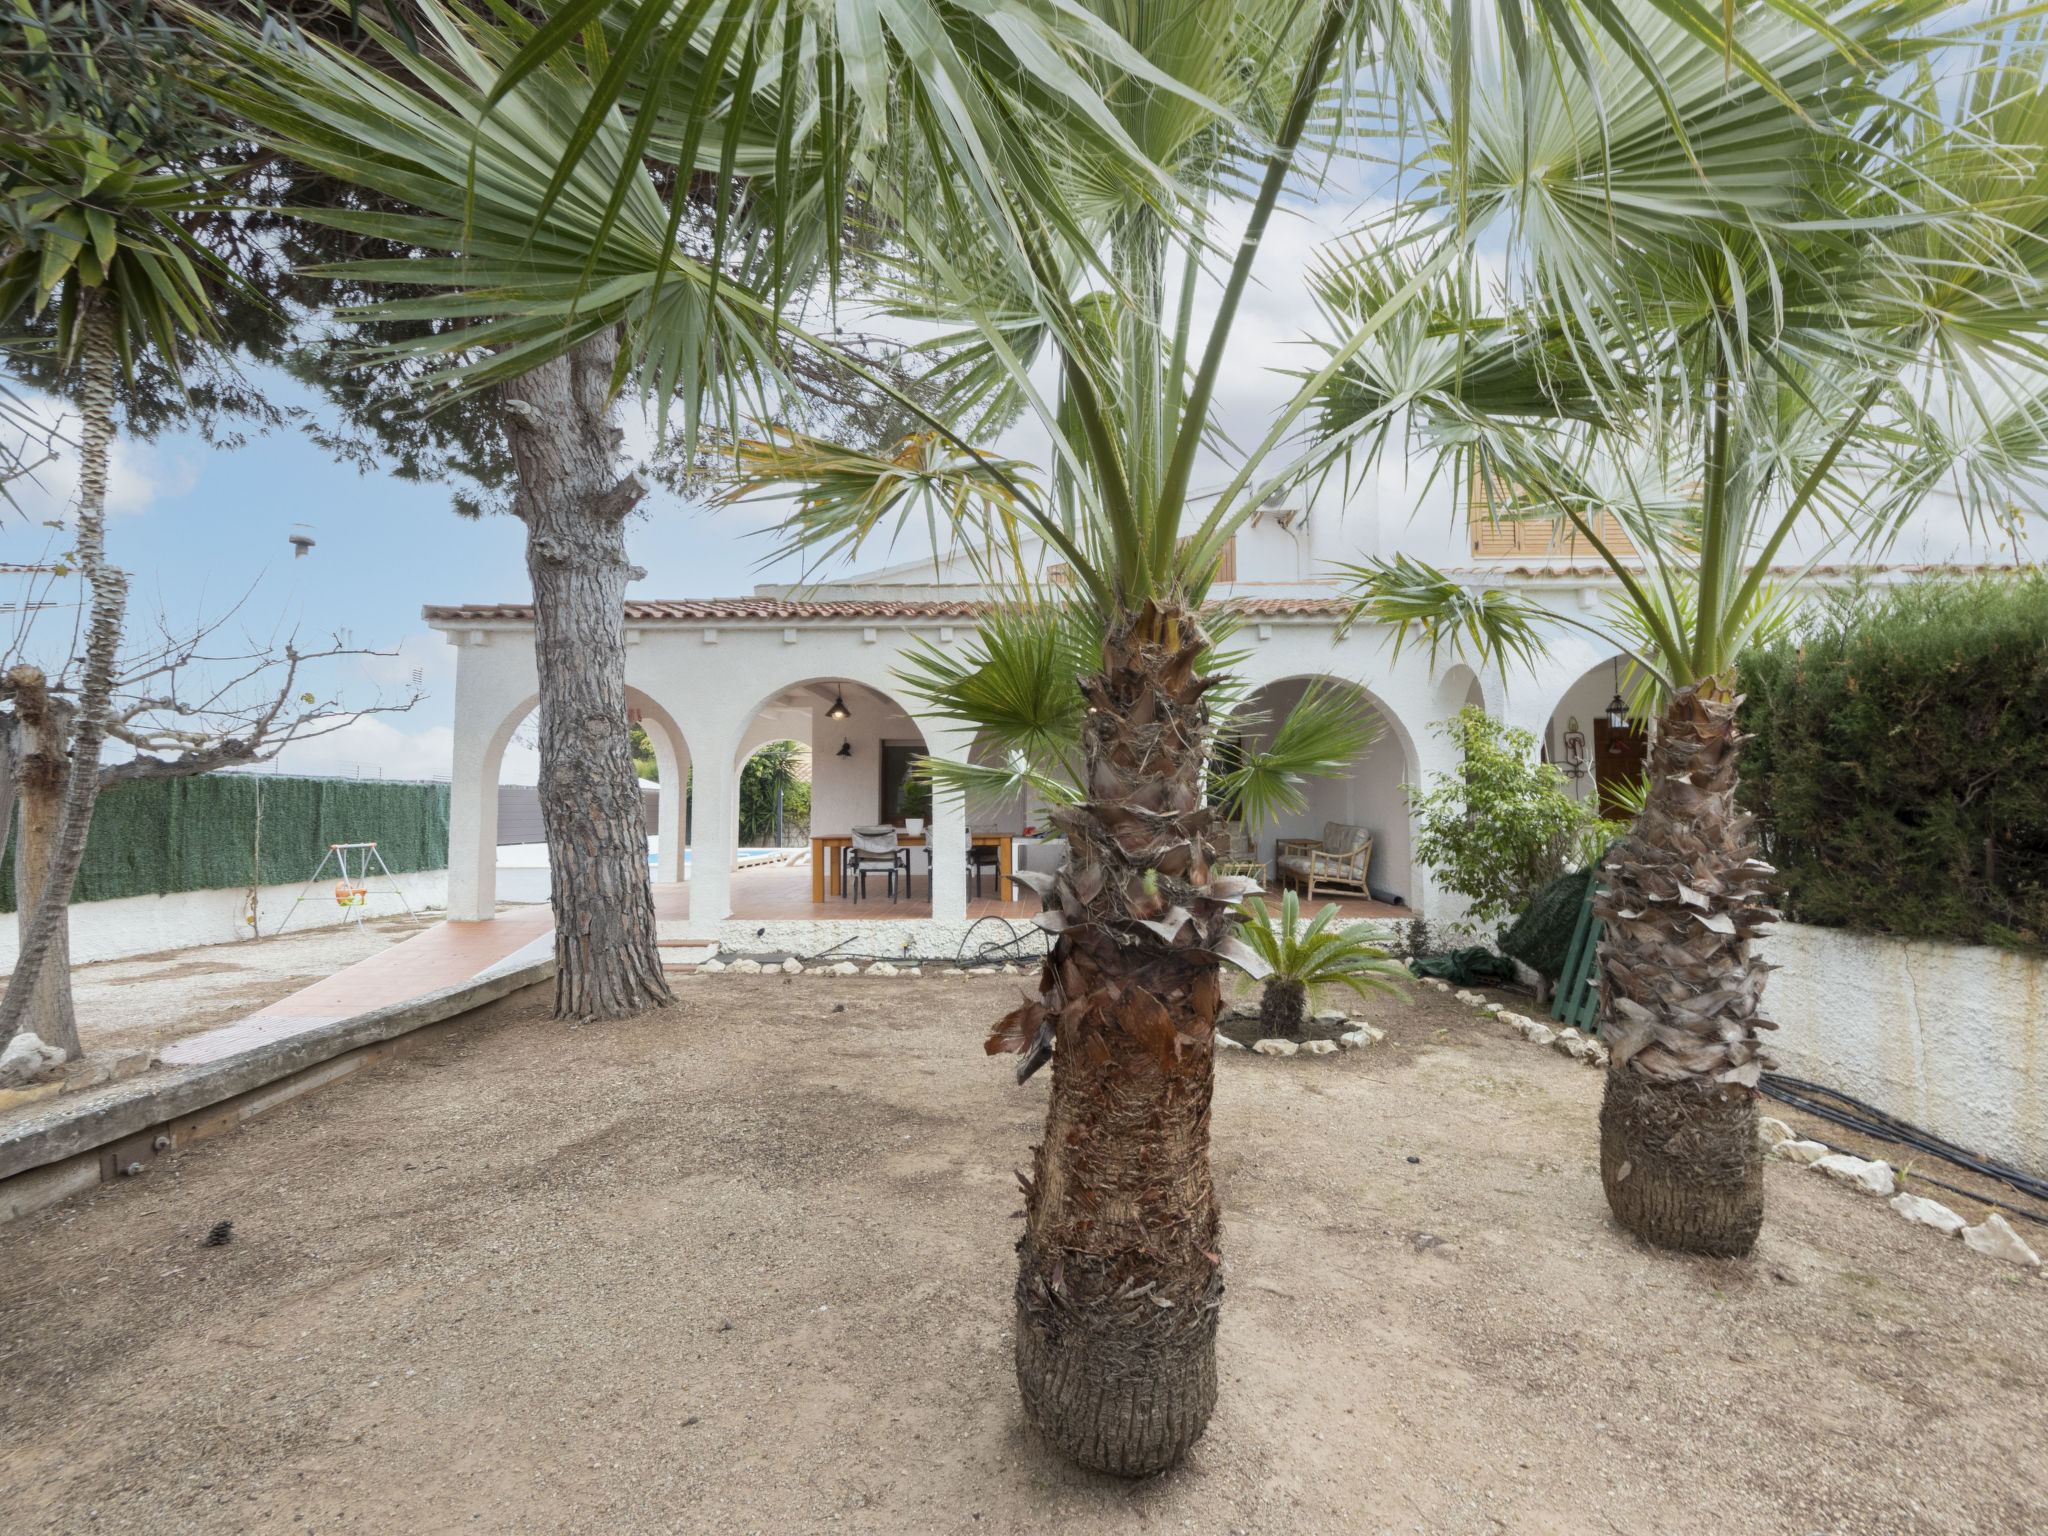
{"x": 672, "y": 762}
{"x": 738, "y": 728}
{"x": 1373, "y": 796}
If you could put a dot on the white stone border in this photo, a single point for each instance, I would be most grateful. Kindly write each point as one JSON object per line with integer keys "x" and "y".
{"x": 1994, "y": 1236}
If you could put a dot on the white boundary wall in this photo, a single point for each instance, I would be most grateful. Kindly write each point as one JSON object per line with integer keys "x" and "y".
{"x": 1952, "y": 1037}
{"x": 146, "y": 925}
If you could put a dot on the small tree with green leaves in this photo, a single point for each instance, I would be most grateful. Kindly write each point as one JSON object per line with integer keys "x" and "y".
{"x": 1301, "y": 961}
{"x": 1504, "y": 825}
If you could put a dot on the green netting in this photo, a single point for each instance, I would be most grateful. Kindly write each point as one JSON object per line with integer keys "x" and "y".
{"x": 1542, "y": 935}
{"x": 156, "y": 836}
{"x": 1464, "y": 967}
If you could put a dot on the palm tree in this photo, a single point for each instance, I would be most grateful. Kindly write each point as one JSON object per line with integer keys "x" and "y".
{"x": 1119, "y": 1280}
{"x": 1044, "y": 176}
{"x": 96, "y": 230}
{"x": 615, "y": 219}
{"x": 1300, "y": 960}
{"x": 1779, "y": 346}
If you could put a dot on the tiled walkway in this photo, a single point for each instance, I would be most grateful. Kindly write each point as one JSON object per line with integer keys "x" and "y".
{"x": 441, "y": 956}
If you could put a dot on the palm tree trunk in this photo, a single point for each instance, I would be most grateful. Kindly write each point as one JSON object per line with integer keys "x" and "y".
{"x": 1679, "y": 993}
{"x": 1283, "y": 1009}
{"x": 1119, "y": 1278}
{"x": 43, "y": 952}
{"x": 558, "y": 419}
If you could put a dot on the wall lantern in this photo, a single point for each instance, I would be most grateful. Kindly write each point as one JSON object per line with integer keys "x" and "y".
{"x": 1617, "y": 707}
{"x": 845, "y": 749}
{"x": 838, "y": 711}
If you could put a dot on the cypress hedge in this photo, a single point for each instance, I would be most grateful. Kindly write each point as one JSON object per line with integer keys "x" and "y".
{"x": 156, "y": 836}
{"x": 1899, "y": 766}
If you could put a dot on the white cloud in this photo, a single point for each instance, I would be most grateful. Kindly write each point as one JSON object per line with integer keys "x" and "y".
{"x": 424, "y": 660}
{"x": 372, "y": 748}
{"x": 139, "y": 474}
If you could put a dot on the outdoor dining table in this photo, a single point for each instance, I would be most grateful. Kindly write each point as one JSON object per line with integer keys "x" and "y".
{"x": 827, "y": 864}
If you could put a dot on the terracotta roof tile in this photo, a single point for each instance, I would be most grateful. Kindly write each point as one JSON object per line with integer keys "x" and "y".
{"x": 718, "y": 610}
{"x": 775, "y": 610}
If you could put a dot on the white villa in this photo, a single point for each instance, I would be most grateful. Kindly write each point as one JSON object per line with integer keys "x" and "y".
{"x": 711, "y": 680}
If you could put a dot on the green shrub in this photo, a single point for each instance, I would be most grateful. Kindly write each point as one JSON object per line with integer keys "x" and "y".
{"x": 774, "y": 765}
{"x": 1899, "y": 761}
{"x": 1504, "y": 826}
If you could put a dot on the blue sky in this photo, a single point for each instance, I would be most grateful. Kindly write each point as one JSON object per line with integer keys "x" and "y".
{"x": 199, "y": 529}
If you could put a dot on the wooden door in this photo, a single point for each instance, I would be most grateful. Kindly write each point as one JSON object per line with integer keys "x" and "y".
{"x": 1618, "y": 758}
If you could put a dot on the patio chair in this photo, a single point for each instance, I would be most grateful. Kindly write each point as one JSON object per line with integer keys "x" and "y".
{"x": 875, "y": 851}
{"x": 1239, "y": 854}
{"x": 982, "y": 857}
{"x": 1336, "y": 859}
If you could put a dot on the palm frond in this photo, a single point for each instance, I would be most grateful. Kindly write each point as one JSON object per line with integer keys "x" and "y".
{"x": 844, "y": 497}
{"x": 1320, "y": 737}
{"x": 1487, "y": 625}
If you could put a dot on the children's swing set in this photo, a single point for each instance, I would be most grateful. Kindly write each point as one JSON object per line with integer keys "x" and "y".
{"x": 351, "y": 887}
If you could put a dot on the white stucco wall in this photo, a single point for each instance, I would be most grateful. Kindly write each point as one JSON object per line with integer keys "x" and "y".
{"x": 706, "y": 685}
{"x": 146, "y": 925}
{"x": 846, "y": 791}
{"x": 1952, "y": 1037}
{"x": 1372, "y": 795}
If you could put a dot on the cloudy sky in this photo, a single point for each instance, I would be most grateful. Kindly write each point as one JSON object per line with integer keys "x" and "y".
{"x": 203, "y": 532}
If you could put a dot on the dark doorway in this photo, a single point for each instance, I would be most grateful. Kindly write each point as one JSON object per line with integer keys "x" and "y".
{"x": 1618, "y": 758}
{"x": 897, "y": 760}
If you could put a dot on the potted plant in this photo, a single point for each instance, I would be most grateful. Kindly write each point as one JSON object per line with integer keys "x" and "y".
{"x": 1303, "y": 959}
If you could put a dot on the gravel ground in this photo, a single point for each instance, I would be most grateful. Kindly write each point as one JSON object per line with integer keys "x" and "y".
{"x": 154, "y": 998}
{"x": 744, "y": 1266}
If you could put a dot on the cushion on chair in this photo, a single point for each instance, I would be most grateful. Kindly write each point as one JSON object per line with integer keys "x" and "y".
{"x": 1341, "y": 838}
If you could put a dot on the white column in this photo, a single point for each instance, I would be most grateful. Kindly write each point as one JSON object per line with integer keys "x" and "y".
{"x": 1436, "y": 756}
{"x": 674, "y": 768}
{"x": 481, "y": 731}
{"x": 948, "y": 834}
{"x": 714, "y": 829}
{"x": 473, "y": 833}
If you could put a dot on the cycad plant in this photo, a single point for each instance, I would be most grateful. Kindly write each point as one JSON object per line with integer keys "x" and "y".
{"x": 1775, "y": 334}
{"x": 1300, "y": 960}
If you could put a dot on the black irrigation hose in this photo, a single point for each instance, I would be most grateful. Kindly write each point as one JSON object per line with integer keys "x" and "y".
{"x": 1869, "y": 1120}
{"x": 1009, "y": 948}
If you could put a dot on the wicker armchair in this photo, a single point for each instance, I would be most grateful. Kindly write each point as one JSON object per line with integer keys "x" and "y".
{"x": 1339, "y": 858}
{"x": 1239, "y": 855}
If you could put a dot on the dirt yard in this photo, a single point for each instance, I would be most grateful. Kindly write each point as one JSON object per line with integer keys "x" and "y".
{"x": 745, "y": 1267}
{"x": 154, "y": 998}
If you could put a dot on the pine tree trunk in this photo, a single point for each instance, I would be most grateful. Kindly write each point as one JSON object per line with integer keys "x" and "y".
{"x": 41, "y": 772}
{"x": 1679, "y": 995}
{"x": 558, "y": 419}
{"x": 1119, "y": 1280}
{"x": 43, "y": 950}
{"x": 1283, "y": 1009}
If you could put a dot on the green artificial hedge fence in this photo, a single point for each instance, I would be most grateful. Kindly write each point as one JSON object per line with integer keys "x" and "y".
{"x": 1899, "y": 766}
{"x": 156, "y": 836}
